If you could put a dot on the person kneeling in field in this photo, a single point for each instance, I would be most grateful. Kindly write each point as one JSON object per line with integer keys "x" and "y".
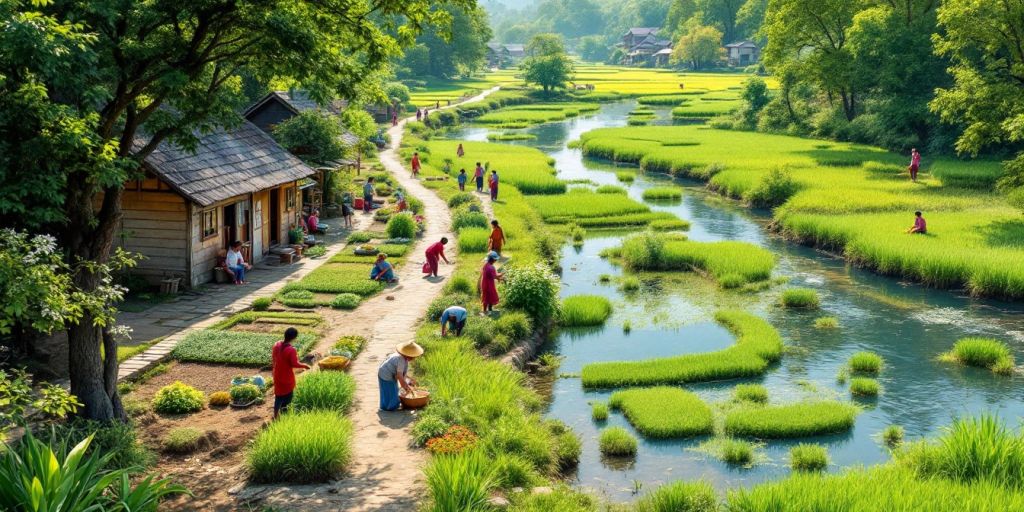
{"x": 453, "y": 319}
{"x": 392, "y": 373}
{"x": 382, "y": 270}
{"x": 920, "y": 226}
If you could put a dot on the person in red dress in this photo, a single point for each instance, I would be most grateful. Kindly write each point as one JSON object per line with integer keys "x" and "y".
{"x": 489, "y": 276}
{"x": 285, "y": 360}
{"x": 435, "y": 253}
{"x": 415, "y": 163}
{"x": 915, "y": 164}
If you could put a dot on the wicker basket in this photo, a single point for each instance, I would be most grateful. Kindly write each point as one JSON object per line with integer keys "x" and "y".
{"x": 419, "y": 400}
{"x": 336, "y": 363}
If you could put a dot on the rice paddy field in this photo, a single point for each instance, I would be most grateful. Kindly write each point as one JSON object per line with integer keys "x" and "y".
{"x": 661, "y": 317}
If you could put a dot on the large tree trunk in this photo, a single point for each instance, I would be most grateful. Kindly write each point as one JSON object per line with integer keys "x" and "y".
{"x": 86, "y": 368}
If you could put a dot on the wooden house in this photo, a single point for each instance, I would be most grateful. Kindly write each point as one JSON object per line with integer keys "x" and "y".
{"x": 238, "y": 184}
{"x": 742, "y": 53}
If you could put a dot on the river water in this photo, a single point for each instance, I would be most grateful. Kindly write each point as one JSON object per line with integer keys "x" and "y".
{"x": 908, "y": 325}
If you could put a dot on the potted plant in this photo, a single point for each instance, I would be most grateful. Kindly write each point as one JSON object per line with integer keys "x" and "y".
{"x": 245, "y": 395}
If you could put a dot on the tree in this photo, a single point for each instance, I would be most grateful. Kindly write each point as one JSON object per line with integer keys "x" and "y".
{"x": 721, "y": 14}
{"x": 547, "y": 65}
{"x": 749, "y": 19}
{"x": 453, "y": 48}
{"x": 678, "y": 13}
{"x": 755, "y": 98}
{"x": 313, "y": 136}
{"x": 593, "y": 49}
{"x": 92, "y": 88}
{"x": 700, "y": 48}
{"x": 360, "y": 123}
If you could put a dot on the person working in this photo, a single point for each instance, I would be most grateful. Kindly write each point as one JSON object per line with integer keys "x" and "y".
{"x": 368, "y": 195}
{"x": 453, "y": 319}
{"x": 393, "y": 372}
{"x": 493, "y": 183}
{"x": 920, "y": 227}
{"x": 497, "y": 239}
{"x": 434, "y": 254}
{"x": 489, "y": 277}
{"x": 382, "y": 270}
{"x": 478, "y": 176}
{"x": 400, "y": 201}
{"x": 915, "y": 164}
{"x": 285, "y": 360}
{"x": 415, "y": 163}
{"x": 462, "y": 180}
{"x": 235, "y": 263}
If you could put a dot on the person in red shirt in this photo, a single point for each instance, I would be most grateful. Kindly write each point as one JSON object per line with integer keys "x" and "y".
{"x": 415, "y": 163}
{"x": 915, "y": 164}
{"x": 285, "y": 360}
{"x": 920, "y": 227}
{"x": 435, "y": 253}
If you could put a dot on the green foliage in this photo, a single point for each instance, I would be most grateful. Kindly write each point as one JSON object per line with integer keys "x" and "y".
{"x": 463, "y": 218}
{"x": 401, "y": 226}
{"x": 473, "y": 240}
{"x": 751, "y": 393}
{"x": 351, "y": 344}
{"x": 808, "y": 457}
{"x": 245, "y": 393}
{"x": 801, "y": 419}
{"x": 758, "y": 344}
{"x": 982, "y": 353}
{"x": 438, "y": 305}
{"x": 625, "y": 176}
{"x": 36, "y": 284}
{"x": 617, "y": 442}
{"x": 868, "y": 363}
{"x": 302, "y": 447}
{"x": 649, "y": 251}
{"x": 863, "y": 386}
{"x": 804, "y": 298}
{"x": 561, "y": 498}
{"x": 610, "y": 189}
{"x": 182, "y": 440}
{"x": 360, "y": 237}
{"x": 598, "y": 411}
{"x": 679, "y": 497}
{"x": 346, "y": 301}
{"x": 630, "y": 284}
{"x": 826, "y": 322}
{"x": 53, "y": 402}
{"x": 585, "y": 310}
{"x": 480, "y": 330}
{"x": 338, "y": 278}
{"x": 532, "y": 289}
{"x": 324, "y": 390}
{"x": 312, "y": 136}
{"x": 892, "y": 436}
{"x": 514, "y": 324}
{"x": 460, "y": 482}
{"x": 241, "y": 348}
{"x": 737, "y": 452}
{"x": 664, "y": 412}
{"x": 117, "y": 441}
{"x": 970, "y": 450}
{"x": 461, "y": 198}
{"x": 262, "y": 303}
{"x": 459, "y": 285}
{"x": 774, "y": 189}
{"x": 512, "y": 471}
{"x": 178, "y": 398}
{"x": 663, "y": 193}
{"x": 316, "y": 251}
{"x": 427, "y": 427}
{"x": 548, "y": 65}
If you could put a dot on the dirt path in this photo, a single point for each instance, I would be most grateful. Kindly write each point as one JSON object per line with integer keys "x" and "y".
{"x": 386, "y": 473}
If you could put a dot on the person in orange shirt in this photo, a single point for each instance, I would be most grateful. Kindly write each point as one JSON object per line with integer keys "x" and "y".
{"x": 497, "y": 238}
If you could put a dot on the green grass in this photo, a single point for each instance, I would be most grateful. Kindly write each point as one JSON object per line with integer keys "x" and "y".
{"x": 499, "y": 137}
{"x": 598, "y": 411}
{"x": 663, "y": 412}
{"x": 970, "y": 450}
{"x": 582, "y": 204}
{"x": 182, "y": 440}
{"x": 864, "y": 362}
{"x": 758, "y": 345}
{"x": 808, "y": 457}
{"x": 338, "y": 278}
{"x": 277, "y": 317}
{"x": 986, "y": 353}
{"x": 665, "y": 100}
{"x": 230, "y": 347}
{"x": 126, "y": 352}
{"x": 892, "y": 436}
{"x": 617, "y": 442}
{"x": 460, "y": 482}
{"x": 721, "y": 260}
{"x": 535, "y": 113}
{"x": 610, "y": 189}
{"x": 625, "y": 176}
{"x": 629, "y": 284}
{"x": 696, "y": 496}
{"x": 735, "y": 452}
{"x": 663, "y": 193}
{"x": 473, "y": 239}
{"x": 826, "y": 322}
{"x": 701, "y": 108}
{"x": 864, "y": 387}
{"x": 800, "y": 298}
{"x": 526, "y": 168}
{"x": 750, "y": 393}
{"x": 585, "y": 310}
{"x": 792, "y": 420}
{"x": 324, "y": 390}
{"x": 303, "y": 447}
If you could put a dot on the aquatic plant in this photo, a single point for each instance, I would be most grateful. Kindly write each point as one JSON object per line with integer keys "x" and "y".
{"x": 663, "y": 412}
{"x": 617, "y": 442}
{"x": 750, "y": 393}
{"x": 808, "y": 457}
{"x": 982, "y": 353}
{"x": 647, "y": 251}
{"x": 970, "y": 450}
{"x": 696, "y": 496}
{"x": 737, "y": 452}
{"x": 800, "y": 419}
{"x": 625, "y": 176}
{"x": 864, "y": 387}
{"x": 302, "y": 447}
{"x": 598, "y": 411}
{"x": 610, "y": 189}
{"x": 826, "y": 322}
{"x": 865, "y": 362}
{"x": 800, "y": 298}
{"x": 630, "y": 284}
{"x": 892, "y": 436}
{"x": 663, "y": 193}
{"x": 585, "y": 310}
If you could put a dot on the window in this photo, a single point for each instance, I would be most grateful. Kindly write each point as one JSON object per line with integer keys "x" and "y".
{"x": 209, "y": 223}
{"x": 289, "y": 195}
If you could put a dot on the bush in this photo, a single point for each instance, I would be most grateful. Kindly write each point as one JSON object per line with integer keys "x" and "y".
{"x": 480, "y": 330}
{"x": 401, "y": 226}
{"x": 514, "y": 324}
{"x": 892, "y": 436}
{"x": 346, "y": 301}
{"x": 865, "y": 362}
{"x": 533, "y": 289}
{"x": 303, "y": 447}
{"x": 862, "y": 386}
{"x": 460, "y": 199}
{"x": 262, "y": 303}
{"x": 826, "y": 322}
{"x": 617, "y": 442}
{"x": 751, "y": 393}
{"x": 598, "y": 411}
{"x": 982, "y": 353}
{"x": 460, "y": 482}
{"x": 808, "y": 457}
{"x": 428, "y": 427}
{"x": 324, "y": 390}
{"x": 680, "y": 497}
{"x": 117, "y": 440}
{"x": 183, "y": 440}
{"x": 245, "y": 393}
{"x": 178, "y": 398}
{"x": 464, "y": 218}
{"x": 220, "y": 398}
{"x": 800, "y": 298}
{"x": 774, "y": 189}
{"x": 585, "y": 310}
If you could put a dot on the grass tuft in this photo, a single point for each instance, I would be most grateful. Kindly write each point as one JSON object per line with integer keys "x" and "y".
{"x": 303, "y": 447}
{"x": 663, "y": 193}
{"x": 751, "y": 393}
{"x": 324, "y": 390}
{"x": 599, "y": 411}
{"x": 826, "y": 322}
{"x": 982, "y": 353}
{"x": 663, "y": 412}
{"x": 800, "y": 298}
{"x": 868, "y": 363}
{"x": 617, "y": 442}
{"x": 801, "y": 419}
{"x": 585, "y": 310}
{"x": 808, "y": 457}
{"x": 892, "y": 436}
{"x": 864, "y": 387}
{"x": 680, "y": 497}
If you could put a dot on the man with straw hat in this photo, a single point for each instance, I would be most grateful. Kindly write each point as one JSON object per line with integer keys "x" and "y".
{"x": 392, "y": 373}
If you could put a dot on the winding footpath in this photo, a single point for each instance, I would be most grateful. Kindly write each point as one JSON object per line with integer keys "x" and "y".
{"x": 386, "y": 472}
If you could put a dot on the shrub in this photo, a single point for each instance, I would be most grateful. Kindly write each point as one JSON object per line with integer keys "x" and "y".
{"x": 751, "y": 393}
{"x": 663, "y": 412}
{"x": 826, "y": 322}
{"x": 345, "y": 301}
{"x": 514, "y": 324}
{"x": 585, "y": 310}
{"x": 245, "y": 393}
{"x": 865, "y": 362}
{"x": 220, "y": 398}
{"x": 774, "y": 188}
{"x": 663, "y": 193}
{"x": 617, "y": 442}
{"x": 183, "y": 440}
{"x": 480, "y": 330}
{"x": 301, "y": 447}
{"x": 324, "y": 390}
{"x": 800, "y": 298}
{"x": 862, "y": 386}
{"x": 680, "y": 497}
{"x": 428, "y": 427}
{"x": 892, "y": 436}
{"x": 460, "y": 482}
{"x": 178, "y": 398}
{"x": 982, "y": 353}
{"x": 262, "y": 303}
{"x": 401, "y": 226}
{"x": 808, "y": 457}
{"x": 460, "y": 199}
{"x": 598, "y": 411}
{"x": 116, "y": 440}
{"x": 533, "y": 289}
{"x": 793, "y": 420}
{"x": 464, "y": 218}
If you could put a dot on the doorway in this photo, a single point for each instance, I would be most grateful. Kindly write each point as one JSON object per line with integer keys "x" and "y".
{"x": 275, "y": 216}
{"x": 230, "y": 229}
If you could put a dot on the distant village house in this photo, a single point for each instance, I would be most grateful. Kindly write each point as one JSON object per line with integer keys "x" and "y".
{"x": 504, "y": 55}
{"x": 641, "y": 46}
{"x": 742, "y": 53}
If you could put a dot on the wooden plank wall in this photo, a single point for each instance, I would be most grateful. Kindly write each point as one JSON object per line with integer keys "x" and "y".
{"x": 155, "y": 225}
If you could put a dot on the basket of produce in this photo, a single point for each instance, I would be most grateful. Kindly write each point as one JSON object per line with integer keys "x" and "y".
{"x": 365, "y": 250}
{"x": 334, "y": 363}
{"x": 416, "y": 399}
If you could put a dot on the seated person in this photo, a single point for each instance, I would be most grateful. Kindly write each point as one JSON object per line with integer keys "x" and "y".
{"x": 400, "y": 199}
{"x": 453, "y": 319}
{"x": 235, "y": 264}
{"x": 313, "y": 222}
{"x": 382, "y": 270}
{"x": 920, "y": 226}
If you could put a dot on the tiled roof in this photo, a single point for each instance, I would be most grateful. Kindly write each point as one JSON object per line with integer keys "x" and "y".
{"x": 226, "y": 163}
{"x": 642, "y": 31}
{"x": 298, "y": 102}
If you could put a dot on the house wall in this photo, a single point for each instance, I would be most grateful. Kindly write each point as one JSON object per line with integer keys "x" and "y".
{"x": 270, "y": 114}
{"x": 155, "y": 224}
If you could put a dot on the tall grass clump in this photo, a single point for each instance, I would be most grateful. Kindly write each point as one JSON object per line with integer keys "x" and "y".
{"x": 625, "y": 176}
{"x": 864, "y": 387}
{"x": 533, "y": 289}
{"x": 826, "y": 322}
{"x": 585, "y": 310}
{"x": 617, "y": 442}
{"x": 982, "y": 353}
{"x": 610, "y": 189}
{"x": 868, "y": 363}
{"x": 722, "y": 260}
{"x": 970, "y": 450}
{"x": 892, "y": 436}
{"x": 598, "y": 411}
{"x": 801, "y": 419}
{"x": 302, "y": 447}
{"x": 680, "y": 497}
{"x": 473, "y": 240}
{"x": 460, "y": 482}
{"x": 630, "y": 284}
{"x": 324, "y": 390}
{"x": 800, "y": 298}
{"x": 401, "y": 225}
{"x": 750, "y": 393}
{"x": 808, "y": 457}
{"x": 757, "y": 346}
{"x": 663, "y": 193}
{"x": 663, "y": 412}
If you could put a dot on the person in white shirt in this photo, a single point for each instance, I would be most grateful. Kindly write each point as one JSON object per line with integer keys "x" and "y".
{"x": 235, "y": 264}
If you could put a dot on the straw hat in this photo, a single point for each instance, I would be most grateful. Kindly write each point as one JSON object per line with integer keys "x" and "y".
{"x": 409, "y": 349}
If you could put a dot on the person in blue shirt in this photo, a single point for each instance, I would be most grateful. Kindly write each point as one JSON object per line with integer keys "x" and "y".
{"x": 382, "y": 270}
{"x": 462, "y": 180}
{"x": 368, "y": 195}
{"x": 454, "y": 319}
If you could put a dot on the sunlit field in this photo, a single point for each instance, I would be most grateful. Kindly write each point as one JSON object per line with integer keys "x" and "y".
{"x": 434, "y": 90}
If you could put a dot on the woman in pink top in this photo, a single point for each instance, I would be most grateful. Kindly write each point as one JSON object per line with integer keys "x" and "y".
{"x": 920, "y": 227}
{"x": 915, "y": 164}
